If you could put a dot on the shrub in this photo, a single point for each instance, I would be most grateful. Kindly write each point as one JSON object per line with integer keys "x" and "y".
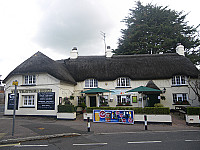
{"x": 66, "y": 108}
{"x": 193, "y": 110}
{"x": 158, "y": 105}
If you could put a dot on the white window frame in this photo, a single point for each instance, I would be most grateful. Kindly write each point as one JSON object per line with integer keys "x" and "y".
{"x": 28, "y": 100}
{"x": 123, "y": 99}
{"x": 177, "y": 97}
{"x": 29, "y": 80}
{"x": 123, "y": 82}
{"x": 91, "y": 83}
{"x": 81, "y": 99}
{"x": 179, "y": 80}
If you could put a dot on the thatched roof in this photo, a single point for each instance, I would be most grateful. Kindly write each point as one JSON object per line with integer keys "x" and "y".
{"x": 136, "y": 67}
{"x": 40, "y": 63}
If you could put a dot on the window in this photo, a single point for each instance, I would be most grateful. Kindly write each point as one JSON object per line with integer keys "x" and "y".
{"x": 28, "y": 100}
{"x": 81, "y": 99}
{"x": 29, "y": 79}
{"x": 123, "y": 82}
{"x": 178, "y": 80}
{"x": 104, "y": 100}
{"x": 91, "y": 83}
{"x": 123, "y": 99}
{"x": 180, "y": 98}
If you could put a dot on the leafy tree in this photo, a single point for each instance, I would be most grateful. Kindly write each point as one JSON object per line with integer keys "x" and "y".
{"x": 154, "y": 29}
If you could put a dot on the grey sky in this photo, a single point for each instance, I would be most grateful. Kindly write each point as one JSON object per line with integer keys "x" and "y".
{"x": 54, "y": 27}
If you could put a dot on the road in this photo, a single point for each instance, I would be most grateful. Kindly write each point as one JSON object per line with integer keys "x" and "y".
{"x": 151, "y": 140}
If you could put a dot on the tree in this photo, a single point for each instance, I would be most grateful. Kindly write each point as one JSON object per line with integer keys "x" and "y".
{"x": 154, "y": 29}
{"x": 195, "y": 86}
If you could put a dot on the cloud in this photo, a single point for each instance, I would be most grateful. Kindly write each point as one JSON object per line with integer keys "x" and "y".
{"x": 68, "y": 23}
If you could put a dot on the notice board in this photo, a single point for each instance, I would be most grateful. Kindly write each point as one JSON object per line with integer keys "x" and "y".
{"x": 11, "y": 98}
{"x": 114, "y": 116}
{"x": 46, "y": 101}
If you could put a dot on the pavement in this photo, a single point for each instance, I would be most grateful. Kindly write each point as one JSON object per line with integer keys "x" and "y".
{"x": 34, "y": 128}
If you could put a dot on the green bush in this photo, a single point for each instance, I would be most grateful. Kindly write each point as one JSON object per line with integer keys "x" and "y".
{"x": 66, "y": 108}
{"x": 137, "y": 110}
{"x": 158, "y": 105}
{"x": 193, "y": 110}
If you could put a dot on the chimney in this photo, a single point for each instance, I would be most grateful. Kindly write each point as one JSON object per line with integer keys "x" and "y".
{"x": 180, "y": 49}
{"x": 74, "y": 53}
{"x": 108, "y": 52}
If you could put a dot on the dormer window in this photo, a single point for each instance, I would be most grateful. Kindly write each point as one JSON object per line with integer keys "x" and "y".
{"x": 123, "y": 82}
{"x": 91, "y": 83}
{"x": 179, "y": 80}
{"x": 29, "y": 79}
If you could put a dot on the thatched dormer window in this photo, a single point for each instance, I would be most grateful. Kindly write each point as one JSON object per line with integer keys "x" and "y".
{"x": 29, "y": 80}
{"x": 91, "y": 83}
{"x": 123, "y": 82}
{"x": 178, "y": 80}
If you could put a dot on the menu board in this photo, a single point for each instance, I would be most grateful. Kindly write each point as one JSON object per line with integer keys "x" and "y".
{"x": 11, "y": 98}
{"x": 114, "y": 116}
{"x": 46, "y": 101}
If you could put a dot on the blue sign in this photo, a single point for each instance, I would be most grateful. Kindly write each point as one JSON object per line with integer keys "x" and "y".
{"x": 114, "y": 116}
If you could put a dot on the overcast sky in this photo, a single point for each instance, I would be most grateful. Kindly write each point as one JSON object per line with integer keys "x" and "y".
{"x": 54, "y": 27}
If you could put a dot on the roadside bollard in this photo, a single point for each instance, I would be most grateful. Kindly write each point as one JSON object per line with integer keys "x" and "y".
{"x": 88, "y": 123}
{"x": 145, "y": 122}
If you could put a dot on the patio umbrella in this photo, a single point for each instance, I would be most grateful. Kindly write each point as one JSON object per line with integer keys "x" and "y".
{"x": 142, "y": 89}
{"x": 96, "y": 90}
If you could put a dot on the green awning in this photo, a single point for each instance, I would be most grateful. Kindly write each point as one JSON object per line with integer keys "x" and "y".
{"x": 143, "y": 89}
{"x": 96, "y": 90}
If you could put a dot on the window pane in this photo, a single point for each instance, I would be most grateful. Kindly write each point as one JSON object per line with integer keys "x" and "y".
{"x": 118, "y": 99}
{"x": 26, "y": 79}
{"x": 127, "y": 82}
{"x": 33, "y": 79}
{"x": 122, "y": 81}
{"x": 95, "y": 83}
{"x": 177, "y": 79}
{"x": 173, "y": 80}
{"x": 118, "y": 82}
{"x": 184, "y": 97}
{"x": 182, "y": 79}
{"x": 174, "y": 97}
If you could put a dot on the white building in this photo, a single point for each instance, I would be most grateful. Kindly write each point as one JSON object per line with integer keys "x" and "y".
{"x": 44, "y": 83}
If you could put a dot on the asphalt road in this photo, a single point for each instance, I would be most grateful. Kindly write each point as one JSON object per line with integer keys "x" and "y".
{"x": 157, "y": 140}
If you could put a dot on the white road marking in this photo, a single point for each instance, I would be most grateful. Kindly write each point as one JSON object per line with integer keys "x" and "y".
{"x": 144, "y": 142}
{"x": 192, "y": 140}
{"x": 30, "y": 145}
{"x": 144, "y": 132}
{"x": 7, "y": 145}
{"x": 90, "y": 144}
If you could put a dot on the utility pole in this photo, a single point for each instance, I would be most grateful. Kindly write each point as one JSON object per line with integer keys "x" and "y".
{"x": 104, "y": 39}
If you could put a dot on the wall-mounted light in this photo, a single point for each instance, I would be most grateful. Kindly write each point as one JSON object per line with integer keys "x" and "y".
{"x": 164, "y": 90}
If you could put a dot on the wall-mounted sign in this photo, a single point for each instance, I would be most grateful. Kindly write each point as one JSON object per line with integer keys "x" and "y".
{"x": 46, "y": 101}
{"x": 134, "y": 99}
{"x": 32, "y": 90}
{"x": 11, "y": 98}
{"x": 114, "y": 116}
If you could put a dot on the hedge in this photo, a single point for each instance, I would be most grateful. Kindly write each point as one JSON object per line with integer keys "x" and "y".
{"x": 66, "y": 108}
{"x": 137, "y": 110}
{"x": 193, "y": 110}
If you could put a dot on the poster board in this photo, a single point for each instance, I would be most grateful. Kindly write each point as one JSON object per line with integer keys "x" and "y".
{"x": 114, "y": 116}
{"x": 46, "y": 101}
{"x": 11, "y": 98}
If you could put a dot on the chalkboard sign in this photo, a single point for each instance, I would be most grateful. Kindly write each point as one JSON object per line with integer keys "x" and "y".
{"x": 11, "y": 98}
{"x": 46, "y": 101}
